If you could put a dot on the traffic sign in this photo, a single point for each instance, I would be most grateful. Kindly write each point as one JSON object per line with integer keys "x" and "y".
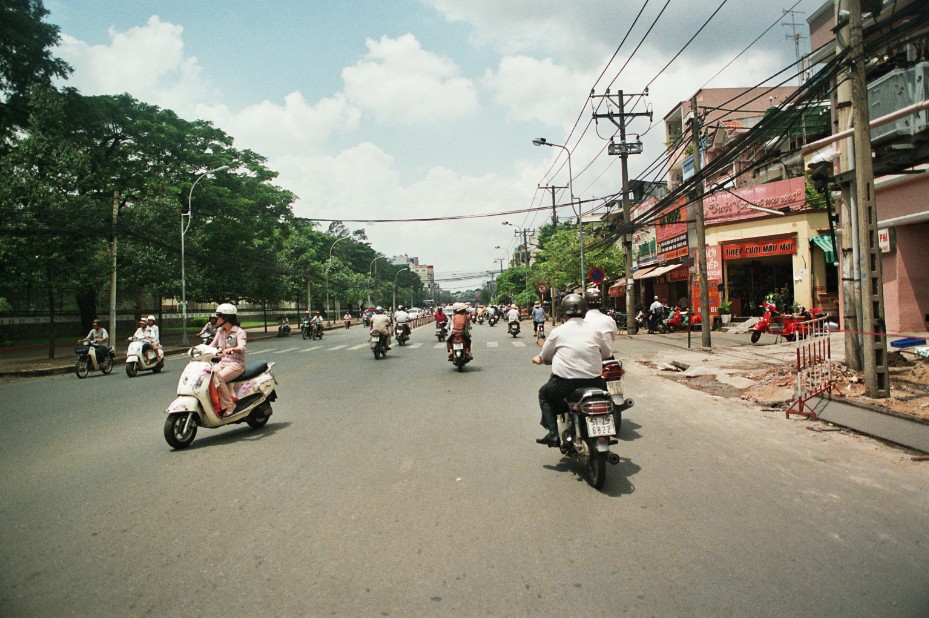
{"x": 541, "y": 289}
{"x": 596, "y": 274}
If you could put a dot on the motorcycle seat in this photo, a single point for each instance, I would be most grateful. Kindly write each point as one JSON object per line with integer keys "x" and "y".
{"x": 253, "y": 369}
{"x": 584, "y": 392}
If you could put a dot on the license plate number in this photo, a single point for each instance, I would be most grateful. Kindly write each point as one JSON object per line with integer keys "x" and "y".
{"x": 615, "y": 387}
{"x": 458, "y": 346}
{"x": 600, "y": 426}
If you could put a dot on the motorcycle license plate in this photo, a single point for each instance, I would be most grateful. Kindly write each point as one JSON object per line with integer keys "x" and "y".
{"x": 458, "y": 346}
{"x": 615, "y": 387}
{"x": 600, "y": 426}
{"x": 374, "y": 340}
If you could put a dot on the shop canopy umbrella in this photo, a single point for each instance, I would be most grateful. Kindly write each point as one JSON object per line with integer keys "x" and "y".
{"x": 824, "y": 242}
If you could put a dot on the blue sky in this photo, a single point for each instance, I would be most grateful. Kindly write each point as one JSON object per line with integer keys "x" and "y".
{"x": 425, "y": 108}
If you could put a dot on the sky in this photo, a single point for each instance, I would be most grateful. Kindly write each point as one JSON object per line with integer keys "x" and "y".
{"x": 406, "y": 109}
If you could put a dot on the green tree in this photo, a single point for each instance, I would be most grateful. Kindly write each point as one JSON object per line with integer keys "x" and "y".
{"x": 559, "y": 262}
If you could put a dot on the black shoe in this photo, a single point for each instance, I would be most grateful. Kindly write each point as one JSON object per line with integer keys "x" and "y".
{"x": 549, "y": 439}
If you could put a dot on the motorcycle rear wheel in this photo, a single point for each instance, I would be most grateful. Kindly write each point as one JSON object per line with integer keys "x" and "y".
{"x": 132, "y": 369}
{"x": 175, "y": 435}
{"x": 158, "y": 367}
{"x": 259, "y": 416}
{"x": 106, "y": 365}
{"x": 756, "y": 335}
{"x": 596, "y": 469}
{"x": 378, "y": 353}
{"x": 82, "y": 368}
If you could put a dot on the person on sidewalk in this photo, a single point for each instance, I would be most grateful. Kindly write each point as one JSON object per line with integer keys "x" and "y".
{"x": 230, "y": 340}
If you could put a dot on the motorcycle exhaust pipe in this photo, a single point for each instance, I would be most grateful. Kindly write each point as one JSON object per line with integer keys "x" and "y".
{"x": 613, "y": 458}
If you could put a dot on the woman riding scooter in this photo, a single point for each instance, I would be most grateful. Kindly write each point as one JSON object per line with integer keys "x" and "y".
{"x": 230, "y": 340}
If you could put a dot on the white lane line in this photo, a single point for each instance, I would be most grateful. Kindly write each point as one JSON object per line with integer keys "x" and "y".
{"x": 338, "y": 347}
{"x": 287, "y": 350}
{"x": 438, "y": 345}
{"x": 359, "y": 346}
{"x": 256, "y": 352}
{"x": 492, "y": 344}
{"x": 315, "y": 347}
{"x": 518, "y": 344}
{"x": 414, "y": 346}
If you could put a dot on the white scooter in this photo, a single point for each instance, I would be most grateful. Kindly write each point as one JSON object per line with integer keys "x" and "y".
{"x": 137, "y": 360}
{"x": 197, "y": 402}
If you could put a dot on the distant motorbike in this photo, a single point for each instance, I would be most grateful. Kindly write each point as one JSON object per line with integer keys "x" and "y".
{"x": 197, "y": 402}
{"x": 378, "y": 343}
{"x": 480, "y": 318}
{"x": 138, "y": 359}
{"x": 93, "y": 357}
{"x": 441, "y": 330}
{"x": 402, "y": 332}
{"x": 656, "y": 319}
{"x": 348, "y": 323}
{"x": 790, "y": 327}
{"x": 513, "y": 328}
{"x": 459, "y": 358}
{"x": 540, "y": 330}
{"x": 492, "y": 320}
{"x": 317, "y": 331}
{"x": 306, "y": 329}
{"x": 283, "y": 329}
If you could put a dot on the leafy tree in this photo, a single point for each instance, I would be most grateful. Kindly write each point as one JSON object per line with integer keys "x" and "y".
{"x": 559, "y": 262}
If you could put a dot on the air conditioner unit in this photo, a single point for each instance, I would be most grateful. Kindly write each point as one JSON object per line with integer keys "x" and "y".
{"x": 898, "y": 89}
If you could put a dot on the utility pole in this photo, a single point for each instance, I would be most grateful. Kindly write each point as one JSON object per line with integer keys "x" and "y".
{"x": 113, "y": 267}
{"x": 706, "y": 321}
{"x": 552, "y": 188}
{"x": 624, "y": 149}
{"x": 874, "y": 347}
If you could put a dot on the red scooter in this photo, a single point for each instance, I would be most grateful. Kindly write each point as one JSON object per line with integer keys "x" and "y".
{"x": 789, "y": 327}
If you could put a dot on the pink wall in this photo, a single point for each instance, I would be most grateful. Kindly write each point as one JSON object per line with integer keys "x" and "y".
{"x": 906, "y": 280}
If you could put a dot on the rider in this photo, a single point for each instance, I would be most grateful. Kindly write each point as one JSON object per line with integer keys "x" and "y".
{"x": 440, "y": 317}
{"x": 317, "y": 321}
{"x": 140, "y": 331}
{"x": 347, "y": 319}
{"x": 230, "y": 339}
{"x": 538, "y": 317}
{"x": 575, "y": 351}
{"x": 512, "y": 315}
{"x": 209, "y": 329}
{"x": 461, "y": 323}
{"x": 601, "y": 322}
{"x": 403, "y": 318}
{"x": 97, "y": 336}
{"x": 380, "y": 324}
{"x": 655, "y": 310}
{"x": 152, "y": 337}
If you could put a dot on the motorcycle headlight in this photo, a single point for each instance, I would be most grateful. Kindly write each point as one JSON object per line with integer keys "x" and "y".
{"x": 195, "y": 354}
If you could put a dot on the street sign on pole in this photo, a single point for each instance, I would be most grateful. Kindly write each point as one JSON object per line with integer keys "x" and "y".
{"x": 541, "y": 289}
{"x": 596, "y": 274}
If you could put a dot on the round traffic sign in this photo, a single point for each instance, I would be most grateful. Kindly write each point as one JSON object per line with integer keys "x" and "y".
{"x": 596, "y": 274}
{"x": 541, "y": 289}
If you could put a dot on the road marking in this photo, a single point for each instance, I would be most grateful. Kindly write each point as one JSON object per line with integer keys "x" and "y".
{"x": 438, "y": 345}
{"x": 414, "y": 346}
{"x": 518, "y": 344}
{"x": 315, "y": 347}
{"x": 492, "y": 344}
{"x": 338, "y": 347}
{"x": 359, "y": 346}
{"x": 287, "y": 350}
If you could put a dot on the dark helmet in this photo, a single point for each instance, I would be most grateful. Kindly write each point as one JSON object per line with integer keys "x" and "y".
{"x": 574, "y": 306}
{"x": 594, "y": 297}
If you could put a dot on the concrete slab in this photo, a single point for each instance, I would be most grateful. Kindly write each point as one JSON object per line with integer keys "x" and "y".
{"x": 882, "y": 425}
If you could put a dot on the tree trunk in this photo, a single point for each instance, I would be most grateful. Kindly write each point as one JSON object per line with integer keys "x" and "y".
{"x": 87, "y": 303}
{"x": 51, "y": 313}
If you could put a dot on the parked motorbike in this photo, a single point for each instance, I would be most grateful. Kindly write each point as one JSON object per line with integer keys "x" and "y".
{"x": 513, "y": 329}
{"x": 378, "y": 344}
{"x": 441, "y": 330}
{"x": 93, "y": 357}
{"x": 678, "y": 320}
{"x": 402, "y": 332}
{"x": 790, "y": 327}
{"x": 197, "y": 402}
{"x": 138, "y": 360}
{"x": 641, "y": 320}
{"x": 459, "y": 357}
{"x": 492, "y": 320}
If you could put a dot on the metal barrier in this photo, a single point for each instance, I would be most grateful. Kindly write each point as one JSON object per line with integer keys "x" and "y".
{"x": 814, "y": 366}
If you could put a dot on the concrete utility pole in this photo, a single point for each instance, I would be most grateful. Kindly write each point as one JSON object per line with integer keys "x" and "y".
{"x": 113, "y": 268}
{"x": 874, "y": 342}
{"x": 624, "y": 150}
{"x": 706, "y": 321}
{"x": 552, "y": 188}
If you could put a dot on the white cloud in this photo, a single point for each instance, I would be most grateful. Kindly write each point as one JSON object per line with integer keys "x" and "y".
{"x": 398, "y": 81}
{"x": 537, "y": 90}
{"x": 146, "y": 61}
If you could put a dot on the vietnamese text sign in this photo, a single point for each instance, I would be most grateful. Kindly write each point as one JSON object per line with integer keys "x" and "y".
{"x": 761, "y": 248}
{"x": 735, "y": 204}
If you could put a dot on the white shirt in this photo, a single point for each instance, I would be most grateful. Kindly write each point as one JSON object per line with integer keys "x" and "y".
{"x": 139, "y": 333}
{"x": 513, "y": 315}
{"x": 604, "y": 324}
{"x": 576, "y": 350}
{"x": 151, "y": 333}
{"x": 401, "y": 317}
{"x": 655, "y": 305}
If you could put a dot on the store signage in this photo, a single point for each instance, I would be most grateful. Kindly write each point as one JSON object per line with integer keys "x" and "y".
{"x": 671, "y": 232}
{"x": 761, "y": 248}
{"x": 712, "y": 289}
{"x": 734, "y": 204}
{"x": 681, "y": 273}
{"x": 714, "y": 262}
{"x": 887, "y": 239}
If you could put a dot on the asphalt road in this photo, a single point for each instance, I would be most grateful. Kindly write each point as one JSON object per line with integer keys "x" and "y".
{"x": 400, "y": 487}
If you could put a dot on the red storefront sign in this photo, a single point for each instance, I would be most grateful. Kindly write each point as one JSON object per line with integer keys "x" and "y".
{"x": 759, "y": 248}
{"x": 712, "y": 292}
{"x": 734, "y": 205}
{"x": 671, "y": 232}
{"x": 681, "y": 273}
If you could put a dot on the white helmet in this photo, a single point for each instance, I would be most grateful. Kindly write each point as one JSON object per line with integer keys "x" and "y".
{"x": 459, "y": 307}
{"x": 225, "y": 309}
{"x": 151, "y": 317}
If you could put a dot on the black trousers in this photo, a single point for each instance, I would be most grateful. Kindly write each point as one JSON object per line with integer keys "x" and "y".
{"x": 552, "y": 397}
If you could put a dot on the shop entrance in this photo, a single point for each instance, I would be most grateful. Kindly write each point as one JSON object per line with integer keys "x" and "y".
{"x": 749, "y": 281}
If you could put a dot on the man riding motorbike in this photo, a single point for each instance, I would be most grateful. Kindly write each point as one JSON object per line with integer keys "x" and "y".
{"x": 440, "y": 317}
{"x": 152, "y": 337}
{"x": 380, "y": 324}
{"x": 209, "y": 329}
{"x": 461, "y": 325}
{"x": 602, "y": 323}
{"x": 401, "y": 317}
{"x": 654, "y": 313}
{"x": 576, "y": 352}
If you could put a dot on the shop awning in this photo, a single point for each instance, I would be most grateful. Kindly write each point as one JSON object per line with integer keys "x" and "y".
{"x": 642, "y": 273}
{"x": 662, "y": 270}
{"x": 618, "y": 288}
{"x": 825, "y": 243}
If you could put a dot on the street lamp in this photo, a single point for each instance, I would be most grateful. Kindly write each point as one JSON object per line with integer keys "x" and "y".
{"x": 328, "y": 264}
{"x": 541, "y": 141}
{"x": 190, "y": 198}
{"x": 370, "y": 266}
{"x": 394, "y": 305}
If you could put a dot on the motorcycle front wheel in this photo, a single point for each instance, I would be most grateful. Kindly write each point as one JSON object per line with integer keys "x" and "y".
{"x": 756, "y": 335}
{"x": 304, "y": 334}
{"x": 82, "y": 368}
{"x": 132, "y": 369}
{"x": 175, "y": 435}
{"x": 596, "y": 469}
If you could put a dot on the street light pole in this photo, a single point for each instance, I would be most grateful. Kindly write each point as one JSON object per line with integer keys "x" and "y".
{"x": 370, "y": 266}
{"x": 190, "y": 198}
{"x": 541, "y": 141}
{"x": 328, "y": 264}
{"x": 395, "y": 287}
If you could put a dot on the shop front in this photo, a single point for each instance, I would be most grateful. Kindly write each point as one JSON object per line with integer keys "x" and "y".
{"x": 755, "y": 269}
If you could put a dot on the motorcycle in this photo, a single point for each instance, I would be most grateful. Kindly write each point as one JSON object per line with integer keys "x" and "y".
{"x": 283, "y": 329}
{"x": 480, "y": 319}
{"x": 679, "y": 320}
{"x": 492, "y": 320}
{"x": 540, "y": 330}
{"x": 641, "y": 320}
{"x": 401, "y": 332}
{"x": 348, "y": 323}
{"x": 197, "y": 402}
{"x": 306, "y": 329}
{"x": 459, "y": 357}
{"x": 441, "y": 331}
{"x": 317, "y": 331}
{"x": 137, "y": 360}
{"x": 790, "y": 327}
{"x": 513, "y": 329}
{"x": 378, "y": 344}
{"x": 93, "y": 357}
{"x": 656, "y": 319}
